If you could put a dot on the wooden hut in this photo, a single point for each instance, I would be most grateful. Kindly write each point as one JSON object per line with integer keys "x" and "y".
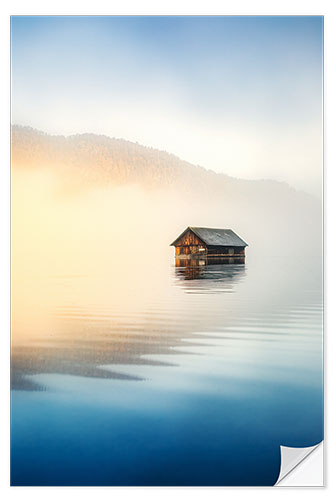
{"x": 208, "y": 242}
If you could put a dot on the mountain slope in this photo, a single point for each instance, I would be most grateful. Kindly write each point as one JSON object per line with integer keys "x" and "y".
{"x": 269, "y": 213}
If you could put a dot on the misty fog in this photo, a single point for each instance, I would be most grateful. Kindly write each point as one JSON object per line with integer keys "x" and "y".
{"x": 75, "y": 216}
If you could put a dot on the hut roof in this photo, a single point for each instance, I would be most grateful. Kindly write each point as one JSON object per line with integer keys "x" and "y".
{"x": 216, "y": 237}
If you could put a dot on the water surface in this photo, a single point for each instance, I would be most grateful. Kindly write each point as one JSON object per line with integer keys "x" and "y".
{"x": 144, "y": 373}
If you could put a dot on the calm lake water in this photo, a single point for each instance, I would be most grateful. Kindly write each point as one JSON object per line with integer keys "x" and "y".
{"x": 143, "y": 373}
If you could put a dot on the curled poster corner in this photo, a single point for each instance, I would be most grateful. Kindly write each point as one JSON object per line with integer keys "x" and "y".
{"x": 291, "y": 458}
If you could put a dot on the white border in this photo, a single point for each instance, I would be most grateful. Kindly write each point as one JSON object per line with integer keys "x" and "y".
{"x": 148, "y": 7}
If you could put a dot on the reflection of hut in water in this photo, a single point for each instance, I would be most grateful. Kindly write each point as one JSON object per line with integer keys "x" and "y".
{"x": 203, "y": 245}
{"x": 215, "y": 278}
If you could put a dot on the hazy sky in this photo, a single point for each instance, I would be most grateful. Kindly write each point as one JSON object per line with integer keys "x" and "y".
{"x": 239, "y": 95}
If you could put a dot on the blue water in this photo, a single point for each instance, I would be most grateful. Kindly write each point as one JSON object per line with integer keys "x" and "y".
{"x": 191, "y": 377}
